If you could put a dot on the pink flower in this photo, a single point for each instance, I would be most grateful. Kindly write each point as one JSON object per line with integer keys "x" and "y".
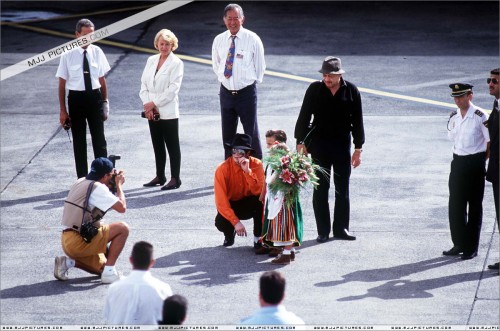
{"x": 285, "y": 160}
{"x": 287, "y": 177}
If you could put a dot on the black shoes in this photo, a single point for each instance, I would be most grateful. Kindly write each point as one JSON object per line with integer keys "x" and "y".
{"x": 344, "y": 236}
{"x": 493, "y": 266}
{"x": 469, "y": 256}
{"x": 155, "y": 181}
{"x": 322, "y": 239}
{"x": 229, "y": 240}
{"x": 172, "y": 185}
{"x": 456, "y": 250}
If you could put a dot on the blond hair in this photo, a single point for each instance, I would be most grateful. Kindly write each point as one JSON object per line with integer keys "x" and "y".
{"x": 168, "y": 36}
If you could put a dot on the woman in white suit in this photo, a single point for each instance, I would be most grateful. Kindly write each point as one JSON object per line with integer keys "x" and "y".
{"x": 160, "y": 84}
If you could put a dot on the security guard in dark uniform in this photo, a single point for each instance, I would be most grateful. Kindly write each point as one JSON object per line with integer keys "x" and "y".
{"x": 467, "y": 128}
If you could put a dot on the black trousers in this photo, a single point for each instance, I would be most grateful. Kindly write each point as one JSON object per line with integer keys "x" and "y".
{"x": 246, "y": 208}
{"x": 242, "y": 105}
{"x": 341, "y": 164}
{"x": 166, "y": 133}
{"x": 85, "y": 107}
{"x": 495, "y": 197}
{"x": 466, "y": 185}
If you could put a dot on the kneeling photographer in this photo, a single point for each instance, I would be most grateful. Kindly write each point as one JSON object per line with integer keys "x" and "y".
{"x": 84, "y": 239}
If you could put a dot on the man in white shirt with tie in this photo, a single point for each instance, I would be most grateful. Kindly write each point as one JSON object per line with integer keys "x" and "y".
{"x": 238, "y": 61}
{"x": 138, "y": 298}
{"x": 81, "y": 72}
{"x": 470, "y": 137}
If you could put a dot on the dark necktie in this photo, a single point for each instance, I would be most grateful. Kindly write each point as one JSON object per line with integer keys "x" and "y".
{"x": 86, "y": 73}
{"x": 495, "y": 105}
{"x": 228, "y": 70}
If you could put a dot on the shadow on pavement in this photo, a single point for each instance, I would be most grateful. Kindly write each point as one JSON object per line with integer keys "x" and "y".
{"x": 407, "y": 289}
{"x": 53, "y": 287}
{"x": 140, "y": 198}
{"x": 213, "y": 266}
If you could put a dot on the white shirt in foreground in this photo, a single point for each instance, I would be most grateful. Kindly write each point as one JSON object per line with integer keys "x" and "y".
{"x": 136, "y": 299}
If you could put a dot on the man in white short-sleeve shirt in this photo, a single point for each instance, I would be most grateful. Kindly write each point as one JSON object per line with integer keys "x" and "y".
{"x": 238, "y": 61}
{"x": 81, "y": 71}
{"x": 88, "y": 200}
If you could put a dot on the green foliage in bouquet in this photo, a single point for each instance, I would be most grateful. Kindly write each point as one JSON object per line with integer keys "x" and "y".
{"x": 292, "y": 172}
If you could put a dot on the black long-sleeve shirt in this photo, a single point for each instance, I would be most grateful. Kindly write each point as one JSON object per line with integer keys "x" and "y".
{"x": 335, "y": 116}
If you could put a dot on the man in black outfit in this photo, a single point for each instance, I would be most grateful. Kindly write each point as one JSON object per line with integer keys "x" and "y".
{"x": 492, "y": 172}
{"x": 336, "y": 106}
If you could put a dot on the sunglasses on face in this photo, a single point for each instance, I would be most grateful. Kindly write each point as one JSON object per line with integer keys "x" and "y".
{"x": 492, "y": 80}
{"x": 237, "y": 151}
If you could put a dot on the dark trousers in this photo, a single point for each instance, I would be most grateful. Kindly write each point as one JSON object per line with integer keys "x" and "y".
{"x": 166, "y": 133}
{"x": 341, "y": 164}
{"x": 241, "y": 104}
{"x": 495, "y": 197}
{"x": 85, "y": 107}
{"x": 466, "y": 185}
{"x": 246, "y": 208}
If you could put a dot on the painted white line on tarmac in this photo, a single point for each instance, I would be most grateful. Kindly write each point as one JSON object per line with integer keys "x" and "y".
{"x": 105, "y": 32}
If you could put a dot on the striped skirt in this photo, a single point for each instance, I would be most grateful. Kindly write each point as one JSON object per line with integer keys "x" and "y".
{"x": 286, "y": 227}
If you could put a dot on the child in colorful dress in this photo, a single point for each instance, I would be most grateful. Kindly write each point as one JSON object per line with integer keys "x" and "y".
{"x": 283, "y": 223}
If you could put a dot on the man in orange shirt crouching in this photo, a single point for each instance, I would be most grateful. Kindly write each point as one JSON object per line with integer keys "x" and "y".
{"x": 237, "y": 184}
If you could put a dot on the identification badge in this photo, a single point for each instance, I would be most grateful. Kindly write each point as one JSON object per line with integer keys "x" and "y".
{"x": 239, "y": 56}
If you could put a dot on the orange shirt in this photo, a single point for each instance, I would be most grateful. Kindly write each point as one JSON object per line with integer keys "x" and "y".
{"x": 231, "y": 183}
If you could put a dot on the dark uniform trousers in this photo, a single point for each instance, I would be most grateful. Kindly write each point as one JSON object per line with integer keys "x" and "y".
{"x": 340, "y": 161}
{"x": 466, "y": 185}
{"x": 242, "y": 104}
{"x": 246, "y": 208}
{"x": 85, "y": 107}
{"x": 166, "y": 133}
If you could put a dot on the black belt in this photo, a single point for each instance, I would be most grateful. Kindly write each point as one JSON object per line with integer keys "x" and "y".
{"x": 84, "y": 92}
{"x": 470, "y": 156}
{"x": 236, "y": 92}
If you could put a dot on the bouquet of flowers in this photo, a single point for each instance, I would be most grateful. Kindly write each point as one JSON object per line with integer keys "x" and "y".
{"x": 292, "y": 171}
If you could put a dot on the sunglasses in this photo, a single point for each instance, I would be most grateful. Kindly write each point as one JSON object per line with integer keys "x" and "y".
{"x": 492, "y": 80}
{"x": 238, "y": 151}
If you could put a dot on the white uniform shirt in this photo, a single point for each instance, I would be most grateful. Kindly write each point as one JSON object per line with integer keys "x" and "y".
{"x": 249, "y": 64}
{"x": 71, "y": 67}
{"x": 136, "y": 299}
{"x": 468, "y": 133}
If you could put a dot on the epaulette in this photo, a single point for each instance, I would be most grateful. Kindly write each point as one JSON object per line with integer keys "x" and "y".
{"x": 479, "y": 113}
{"x": 453, "y": 113}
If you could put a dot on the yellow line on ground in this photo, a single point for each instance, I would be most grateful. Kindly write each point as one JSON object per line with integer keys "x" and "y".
{"x": 209, "y": 62}
{"x": 64, "y": 17}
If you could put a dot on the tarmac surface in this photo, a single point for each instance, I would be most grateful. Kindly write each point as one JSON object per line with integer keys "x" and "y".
{"x": 392, "y": 275}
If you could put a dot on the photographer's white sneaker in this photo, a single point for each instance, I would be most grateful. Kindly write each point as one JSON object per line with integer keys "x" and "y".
{"x": 60, "y": 268}
{"x": 111, "y": 277}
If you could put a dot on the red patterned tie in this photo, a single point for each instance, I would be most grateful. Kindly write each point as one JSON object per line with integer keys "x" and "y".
{"x": 228, "y": 70}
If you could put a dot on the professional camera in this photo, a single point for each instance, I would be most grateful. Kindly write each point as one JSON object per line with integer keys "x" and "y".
{"x": 112, "y": 182}
{"x": 156, "y": 115}
{"x": 67, "y": 124}
{"x": 88, "y": 231}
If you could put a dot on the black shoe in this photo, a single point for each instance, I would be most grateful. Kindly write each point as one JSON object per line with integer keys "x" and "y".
{"x": 322, "y": 239}
{"x": 229, "y": 240}
{"x": 469, "y": 256}
{"x": 493, "y": 266}
{"x": 155, "y": 181}
{"x": 260, "y": 249}
{"x": 172, "y": 185}
{"x": 344, "y": 236}
{"x": 455, "y": 250}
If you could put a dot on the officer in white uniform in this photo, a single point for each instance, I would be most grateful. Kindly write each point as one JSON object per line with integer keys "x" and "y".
{"x": 467, "y": 129}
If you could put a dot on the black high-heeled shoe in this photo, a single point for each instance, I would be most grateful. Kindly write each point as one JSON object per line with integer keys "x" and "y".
{"x": 154, "y": 182}
{"x": 172, "y": 185}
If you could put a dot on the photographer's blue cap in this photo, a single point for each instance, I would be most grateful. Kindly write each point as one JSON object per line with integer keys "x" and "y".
{"x": 100, "y": 167}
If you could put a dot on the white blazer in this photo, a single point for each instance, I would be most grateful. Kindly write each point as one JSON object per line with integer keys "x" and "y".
{"x": 163, "y": 88}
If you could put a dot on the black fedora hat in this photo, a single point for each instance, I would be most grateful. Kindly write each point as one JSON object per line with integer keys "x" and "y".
{"x": 241, "y": 141}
